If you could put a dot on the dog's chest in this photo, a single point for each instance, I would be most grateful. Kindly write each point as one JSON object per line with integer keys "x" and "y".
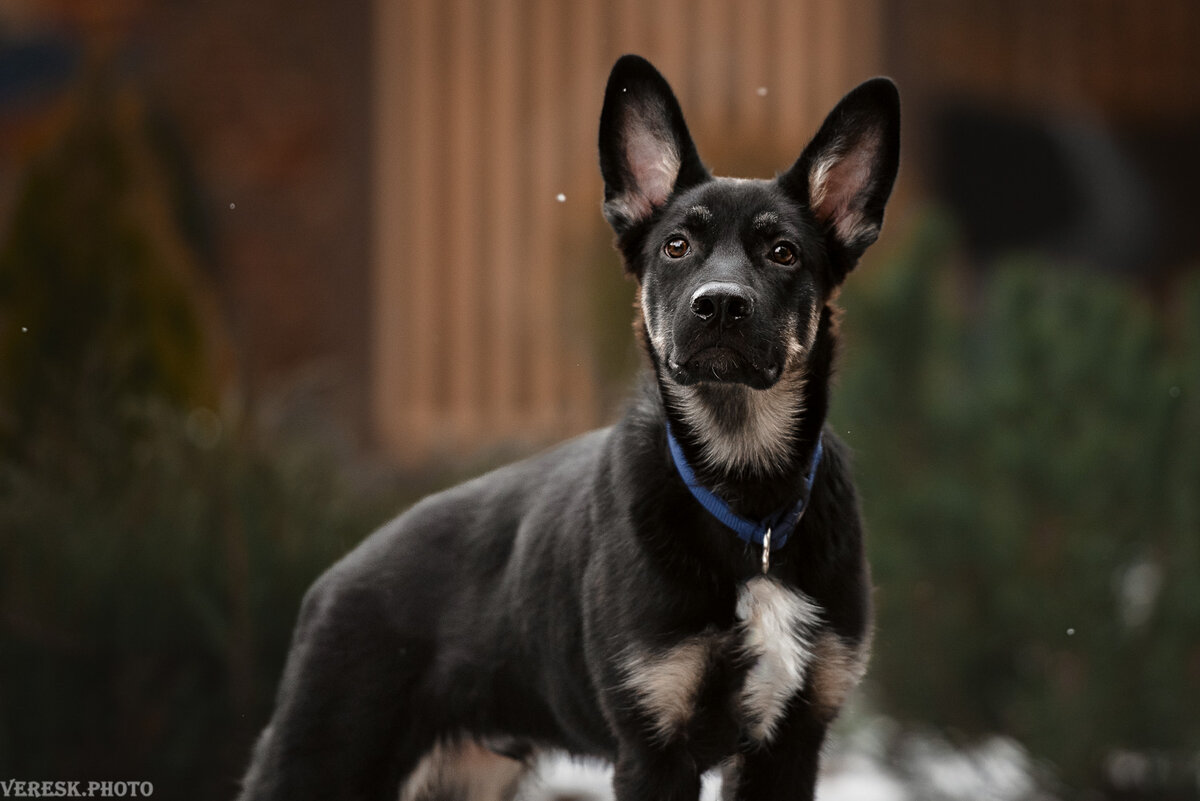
{"x": 777, "y": 646}
{"x": 778, "y": 630}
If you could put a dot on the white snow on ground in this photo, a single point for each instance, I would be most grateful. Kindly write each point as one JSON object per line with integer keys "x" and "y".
{"x": 560, "y": 777}
{"x": 855, "y": 769}
{"x": 857, "y": 777}
{"x": 998, "y": 769}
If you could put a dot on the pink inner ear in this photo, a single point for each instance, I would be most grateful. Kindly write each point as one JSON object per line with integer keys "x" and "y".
{"x": 654, "y": 164}
{"x": 839, "y": 182}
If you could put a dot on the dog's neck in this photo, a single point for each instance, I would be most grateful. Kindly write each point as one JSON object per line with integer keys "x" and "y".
{"x": 753, "y": 446}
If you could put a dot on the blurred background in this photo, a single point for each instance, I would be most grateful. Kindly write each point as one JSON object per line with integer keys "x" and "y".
{"x": 271, "y": 271}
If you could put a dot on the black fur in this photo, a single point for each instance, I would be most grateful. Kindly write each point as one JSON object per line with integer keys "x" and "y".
{"x": 540, "y": 606}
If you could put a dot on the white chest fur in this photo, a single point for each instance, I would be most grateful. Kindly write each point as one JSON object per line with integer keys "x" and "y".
{"x": 777, "y": 630}
{"x": 779, "y": 633}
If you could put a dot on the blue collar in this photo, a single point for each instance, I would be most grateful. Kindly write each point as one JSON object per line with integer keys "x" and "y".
{"x": 773, "y": 532}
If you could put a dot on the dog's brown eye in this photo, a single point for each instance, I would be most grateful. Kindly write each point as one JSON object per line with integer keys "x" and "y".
{"x": 676, "y": 247}
{"x": 783, "y": 253}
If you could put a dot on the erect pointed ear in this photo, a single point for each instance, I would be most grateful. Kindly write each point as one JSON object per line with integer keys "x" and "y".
{"x": 845, "y": 175}
{"x": 646, "y": 153}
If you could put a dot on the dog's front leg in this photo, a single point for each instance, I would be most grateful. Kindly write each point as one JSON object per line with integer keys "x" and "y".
{"x": 646, "y": 773}
{"x": 784, "y": 768}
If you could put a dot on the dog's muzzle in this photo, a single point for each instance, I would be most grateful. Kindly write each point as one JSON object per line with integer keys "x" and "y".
{"x": 718, "y": 337}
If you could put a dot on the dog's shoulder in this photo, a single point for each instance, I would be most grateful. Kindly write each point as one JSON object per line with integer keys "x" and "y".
{"x": 465, "y": 523}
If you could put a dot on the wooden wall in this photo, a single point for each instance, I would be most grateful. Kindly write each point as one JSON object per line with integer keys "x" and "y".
{"x": 1128, "y": 60}
{"x": 487, "y": 192}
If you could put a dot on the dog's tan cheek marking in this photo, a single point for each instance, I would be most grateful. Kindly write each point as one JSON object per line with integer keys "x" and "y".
{"x": 796, "y": 348}
{"x": 652, "y": 315}
{"x": 838, "y": 668}
{"x": 463, "y": 770}
{"x": 666, "y": 684}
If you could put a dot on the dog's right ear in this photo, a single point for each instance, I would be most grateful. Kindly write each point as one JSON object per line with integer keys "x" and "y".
{"x": 646, "y": 153}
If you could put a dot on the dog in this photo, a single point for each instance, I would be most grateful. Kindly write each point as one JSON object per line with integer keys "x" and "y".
{"x": 683, "y": 591}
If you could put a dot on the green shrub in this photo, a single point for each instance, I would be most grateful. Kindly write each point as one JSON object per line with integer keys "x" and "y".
{"x": 101, "y": 297}
{"x": 1028, "y": 451}
{"x": 145, "y": 620}
{"x": 152, "y": 553}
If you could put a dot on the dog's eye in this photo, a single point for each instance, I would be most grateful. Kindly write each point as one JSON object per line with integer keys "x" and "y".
{"x": 783, "y": 253}
{"x": 676, "y": 247}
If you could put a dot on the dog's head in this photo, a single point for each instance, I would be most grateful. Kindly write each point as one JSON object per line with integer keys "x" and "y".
{"x": 733, "y": 271}
{"x": 735, "y": 274}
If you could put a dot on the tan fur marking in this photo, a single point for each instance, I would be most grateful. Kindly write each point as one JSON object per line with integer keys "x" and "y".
{"x": 761, "y": 441}
{"x": 837, "y": 669}
{"x": 818, "y": 182}
{"x": 765, "y": 219}
{"x": 667, "y": 683}
{"x": 463, "y": 770}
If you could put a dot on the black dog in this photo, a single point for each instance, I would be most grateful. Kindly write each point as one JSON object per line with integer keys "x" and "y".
{"x": 684, "y": 590}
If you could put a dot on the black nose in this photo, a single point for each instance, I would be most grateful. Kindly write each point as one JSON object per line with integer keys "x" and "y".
{"x": 722, "y": 303}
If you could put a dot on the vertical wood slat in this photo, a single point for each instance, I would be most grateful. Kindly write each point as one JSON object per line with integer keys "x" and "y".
{"x": 705, "y": 87}
{"x": 633, "y": 29}
{"x": 865, "y": 54}
{"x": 392, "y": 46}
{"x": 543, "y": 313}
{"x": 458, "y": 248}
{"x": 667, "y": 21}
{"x": 586, "y": 57}
{"x": 750, "y": 109}
{"x": 1119, "y": 57}
{"x": 794, "y": 72}
{"x": 503, "y": 274}
{"x": 832, "y": 40}
{"x": 418, "y": 302}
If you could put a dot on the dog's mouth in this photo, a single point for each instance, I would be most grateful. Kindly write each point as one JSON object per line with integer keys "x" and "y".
{"x": 724, "y": 364}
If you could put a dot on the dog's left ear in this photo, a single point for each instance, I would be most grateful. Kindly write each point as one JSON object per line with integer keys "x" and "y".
{"x": 845, "y": 175}
{"x": 646, "y": 152}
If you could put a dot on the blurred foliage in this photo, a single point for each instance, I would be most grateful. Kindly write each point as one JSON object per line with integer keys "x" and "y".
{"x": 100, "y": 293}
{"x": 1028, "y": 453}
{"x": 152, "y": 551}
{"x": 147, "y": 602}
